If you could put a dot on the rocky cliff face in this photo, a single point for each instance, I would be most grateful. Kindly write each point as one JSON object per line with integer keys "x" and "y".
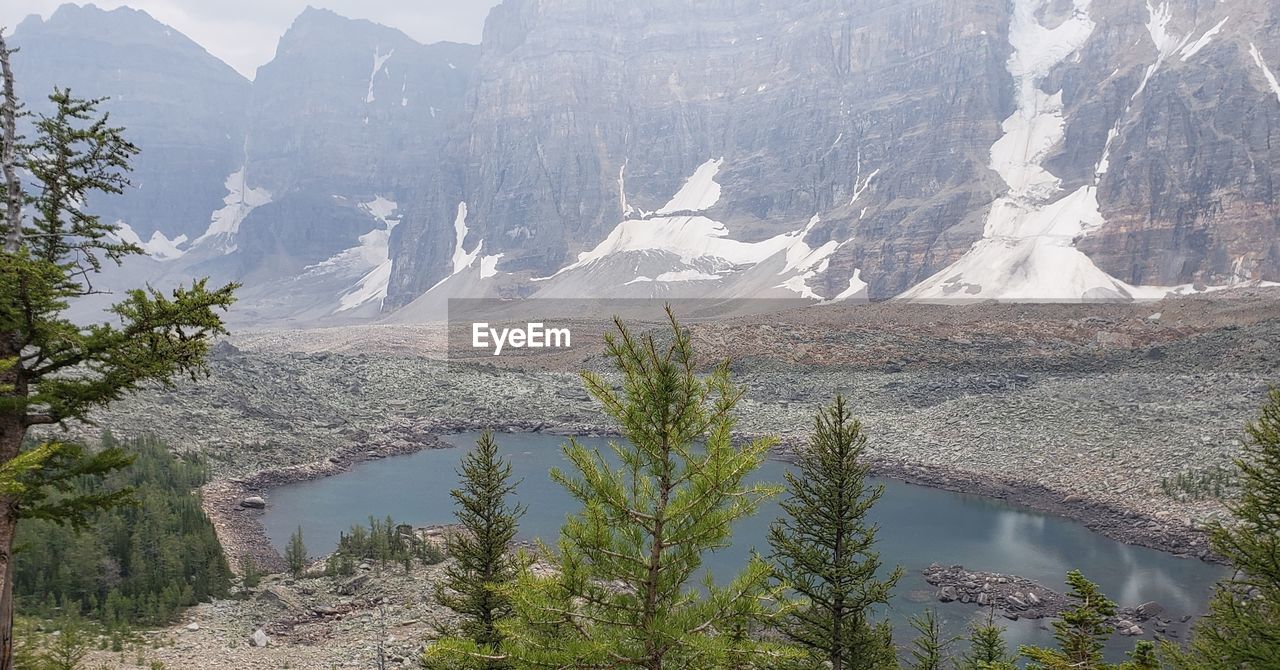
{"x": 876, "y": 116}
{"x": 1034, "y": 149}
{"x": 181, "y": 104}
{"x": 344, "y": 125}
{"x": 823, "y": 149}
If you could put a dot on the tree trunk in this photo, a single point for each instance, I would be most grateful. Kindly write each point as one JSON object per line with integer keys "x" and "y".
{"x": 8, "y": 523}
{"x": 8, "y": 154}
{"x": 12, "y": 431}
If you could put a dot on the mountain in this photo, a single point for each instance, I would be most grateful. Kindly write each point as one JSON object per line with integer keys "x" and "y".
{"x": 289, "y": 184}
{"x": 184, "y": 106}
{"x": 343, "y": 126}
{"x": 934, "y": 150}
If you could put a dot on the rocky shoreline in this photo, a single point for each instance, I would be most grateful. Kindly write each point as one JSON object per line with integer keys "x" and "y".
{"x": 242, "y": 535}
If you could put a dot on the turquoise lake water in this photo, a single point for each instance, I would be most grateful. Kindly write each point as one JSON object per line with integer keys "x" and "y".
{"x": 919, "y": 526}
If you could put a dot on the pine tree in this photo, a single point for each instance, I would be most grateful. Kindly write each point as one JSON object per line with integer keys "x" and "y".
{"x": 1081, "y": 632}
{"x": 482, "y": 564}
{"x": 987, "y": 648}
{"x": 929, "y": 648}
{"x": 295, "y": 554}
{"x": 824, "y": 548}
{"x": 1143, "y": 657}
{"x": 67, "y": 649}
{"x": 52, "y": 369}
{"x": 1242, "y": 629}
{"x": 621, "y": 589}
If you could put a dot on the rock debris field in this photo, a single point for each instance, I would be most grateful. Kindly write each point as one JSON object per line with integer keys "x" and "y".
{"x": 1117, "y": 415}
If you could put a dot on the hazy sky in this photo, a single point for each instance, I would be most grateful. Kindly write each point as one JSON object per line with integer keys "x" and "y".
{"x": 244, "y": 32}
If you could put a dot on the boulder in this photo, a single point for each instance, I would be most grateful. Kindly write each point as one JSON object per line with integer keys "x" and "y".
{"x": 253, "y": 502}
{"x": 947, "y": 594}
{"x": 1148, "y": 610}
{"x": 353, "y": 585}
{"x": 282, "y": 597}
{"x": 259, "y": 638}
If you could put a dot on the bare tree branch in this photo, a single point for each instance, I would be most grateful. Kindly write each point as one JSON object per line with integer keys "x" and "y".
{"x": 8, "y": 151}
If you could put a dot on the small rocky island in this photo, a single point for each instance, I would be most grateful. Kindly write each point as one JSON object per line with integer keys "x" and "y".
{"x": 1016, "y": 598}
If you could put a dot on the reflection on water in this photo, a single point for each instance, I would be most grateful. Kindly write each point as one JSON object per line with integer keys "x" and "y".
{"x": 918, "y": 525}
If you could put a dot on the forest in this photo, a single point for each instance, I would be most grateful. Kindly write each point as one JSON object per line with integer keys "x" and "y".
{"x": 135, "y": 563}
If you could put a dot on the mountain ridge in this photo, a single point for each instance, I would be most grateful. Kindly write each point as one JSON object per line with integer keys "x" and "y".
{"x": 1024, "y": 150}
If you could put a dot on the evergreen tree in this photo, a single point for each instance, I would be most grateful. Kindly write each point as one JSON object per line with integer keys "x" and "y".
{"x": 987, "y": 648}
{"x": 128, "y": 564}
{"x": 1143, "y": 657}
{"x": 482, "y": 564}
{"x": 51, "y": 368}
{"x": 1082, "y": 631}
{"x": 824, "y": 548}
{"x": 1242, "y": 629}
{"x": 250, "y": 575}
{"x": 295, "y": 554}
{"x": 67, "y": 649}
{"x": 621, "y": 591}
{"x": 928, "y": 649}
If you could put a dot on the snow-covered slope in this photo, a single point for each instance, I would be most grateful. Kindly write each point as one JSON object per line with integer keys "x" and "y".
{"x": 1028, "y": 249}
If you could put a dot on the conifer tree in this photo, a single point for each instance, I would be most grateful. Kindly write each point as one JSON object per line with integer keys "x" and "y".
{"x": 1081, "y": 632}
{"x": 1143, "y": 657}
{"x": 295, "y": 554}
{"x": 928, "y": 649}
{"x": 823, "y": 548}
{"x": 481, "y": 551}
{"x": 52, "y": 369}
{"x": 1242, "y": 629}
{"x": 250, "y": 575}
{"x": 987, "y": 648}
{"x": 622, "y": 591}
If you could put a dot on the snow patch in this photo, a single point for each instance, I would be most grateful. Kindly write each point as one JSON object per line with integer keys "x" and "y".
{"x": 676, "y": 276}
{"x": 158, "y": 247}
{"x": 382, "y": 209}
{"x": 856, "y": 287}
{"x": 1194, "y": 48}
{"x": 461, "y": 259}
{"x": 379, "y": 60}
{"x": 239, "y": 201}
{"x": 1158, "y": 28}
{"x": 1028, "y": 247}
{"x": 861, "y": 187}
{"x": 1266, "y": 71}
{"x": 489, "y": 266}
{"x": 806, "y": 261}
{"x": 687, "y": 237}
{"x": 699, "y": 192}
{"x": 372, "y": 256}
{"x": 622, "y": 190}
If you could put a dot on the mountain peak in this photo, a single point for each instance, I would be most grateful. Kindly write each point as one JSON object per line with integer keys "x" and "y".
{"x": 71, "y": 13}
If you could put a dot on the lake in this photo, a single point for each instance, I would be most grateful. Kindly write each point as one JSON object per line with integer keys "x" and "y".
{"x": 919, "y": 526}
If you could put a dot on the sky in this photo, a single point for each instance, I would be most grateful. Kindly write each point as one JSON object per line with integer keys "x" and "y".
{"x": 244, "y": 32}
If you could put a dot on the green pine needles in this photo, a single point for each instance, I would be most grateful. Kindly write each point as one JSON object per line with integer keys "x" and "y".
{"x": 623, "y": 593}
{"x": 295, "y": 554}
{"x": 621, "y": 587}
{"x": 987, "y": 648}
{"x": 482, "y": 564}
{"x": 1242, "y": 629}
{"x": 824, "y": 548}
